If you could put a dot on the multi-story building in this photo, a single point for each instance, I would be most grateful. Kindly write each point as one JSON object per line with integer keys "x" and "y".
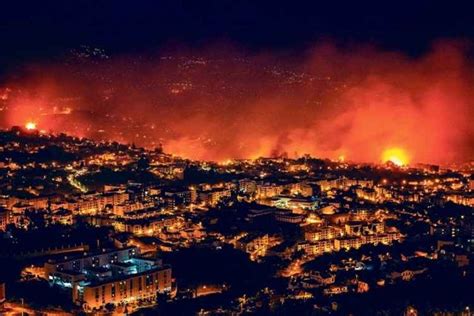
{"x": 130, "y": 206}
{"x": 327, "y": 184}
{"x": 124, "y": 289}
{"x": 367, "y": 194}
{"x": 212, "y": 197}
{"x": 322, "y": 233}
{"x": 96, "y": 203}
{"x": 301, "y": 188}
{"x": 358, "y": 228}
{"x": 268, "y": 190}
{"x": 4, "y": 219}
{"x": 317, "y": 247}
{"x": 62, "y": 216}
{"x": 115, "y": 277}
{"x": 180, "y": 196}
{"x": 36, "y": 203}
{"x": 247, "y": 186}
{"x": 287, "y": 216}
{"x": 466, "y": 199}
{"x": 90, "y": 260}
{"x": 146, "y": 226}
{"x": 287, "y": 202}
{"x": 385, "y": 239}
{"x": 256, "y": 245}
{"x": 348, "y": 243}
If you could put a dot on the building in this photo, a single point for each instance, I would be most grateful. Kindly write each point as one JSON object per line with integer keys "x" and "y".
{"x": 256, "y": 245}
{"x": 212, "y": 197}
{"x": 180, "y": 196}
{"x": 260, "y": 211}
{"x": 348, "y": 243}
{"x": 36, "y": 203}
{"x": 118, "y": 276}
{"x": 62, "y": 216}
{"x": 247, "y": 186}
{"x": 466, "y": 199}
{"x": 317, "y": 247}
{"x": 4, "y": 219}
{"x": 286, "y": 202}
{"x": 125, "y": 289}
{"x": 268, "y": 190}
{"x": 288, "y": 217}
{"x": 385, "y": 239}
{"x": 89, "y": 260}
{"x": 301, "y": 188}
{"x": 146, "y": 226}
{"x": 130, "y": 206}
{"x": 322, "y": 233}
{"x": 96, "y": 203}
{"x": 336, "y": 289}
{"x": 358, "y": 228}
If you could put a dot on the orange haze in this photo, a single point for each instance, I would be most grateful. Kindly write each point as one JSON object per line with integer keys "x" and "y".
{"x": 221, "y": 103}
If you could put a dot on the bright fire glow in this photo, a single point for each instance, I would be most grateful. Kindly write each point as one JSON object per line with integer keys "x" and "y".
{"x": 397, "y": 156}
{"x": 367, "y": 102}
{"x": 30, "y": 126}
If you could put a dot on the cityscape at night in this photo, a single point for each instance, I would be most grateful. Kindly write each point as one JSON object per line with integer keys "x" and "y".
{"x": 236, "y": 158}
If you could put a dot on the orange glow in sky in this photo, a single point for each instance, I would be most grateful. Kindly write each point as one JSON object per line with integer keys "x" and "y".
{"x": 361, "y": 104}
{"x": 396, "y": 155}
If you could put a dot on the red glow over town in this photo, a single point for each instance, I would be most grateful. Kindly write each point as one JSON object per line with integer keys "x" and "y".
{"x": 375, "y": 100}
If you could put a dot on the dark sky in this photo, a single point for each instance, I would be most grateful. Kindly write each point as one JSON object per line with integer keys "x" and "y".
{"x": 32, "y": 30}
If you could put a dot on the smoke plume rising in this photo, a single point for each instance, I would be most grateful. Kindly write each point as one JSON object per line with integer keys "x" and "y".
{"x": 220, "y": 102}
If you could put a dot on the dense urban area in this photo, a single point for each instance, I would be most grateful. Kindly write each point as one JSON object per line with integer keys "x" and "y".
{"x": 102, "y": 227}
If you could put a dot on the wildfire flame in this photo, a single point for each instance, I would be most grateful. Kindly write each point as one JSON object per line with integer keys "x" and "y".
{"x": 30, "y": 126}
{"x": 397, "y": 156}
{"x": 368, "y": 101}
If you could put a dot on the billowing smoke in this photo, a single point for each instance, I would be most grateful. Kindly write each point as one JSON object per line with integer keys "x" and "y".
{"x": 220, "y": 103}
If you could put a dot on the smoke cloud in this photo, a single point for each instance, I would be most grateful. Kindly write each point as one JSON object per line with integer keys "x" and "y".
{"x": 221, "y": 102}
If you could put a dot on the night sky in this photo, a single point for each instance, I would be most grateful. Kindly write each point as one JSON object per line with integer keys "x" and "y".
{"x": 32, "y": 30}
